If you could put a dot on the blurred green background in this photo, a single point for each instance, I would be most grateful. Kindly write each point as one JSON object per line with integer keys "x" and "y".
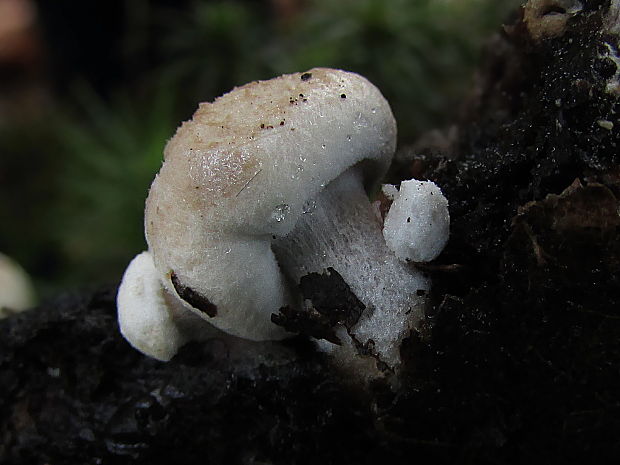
{"x": 91, "y": 91}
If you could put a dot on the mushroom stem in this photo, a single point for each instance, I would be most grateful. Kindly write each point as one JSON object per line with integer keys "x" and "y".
{"x": 341, "y": 230}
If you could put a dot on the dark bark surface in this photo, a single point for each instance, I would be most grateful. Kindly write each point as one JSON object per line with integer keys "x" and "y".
{"x": 520, "y": 359}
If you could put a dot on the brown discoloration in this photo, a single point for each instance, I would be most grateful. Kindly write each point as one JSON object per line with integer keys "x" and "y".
{"x": 219, "y": 158}
{"x": 548, "y": 18}
{"x": 581, "y": 215}
{"x": 214, "y": 150}
{"x": 307, "y": 321}
{"x": 367, "y": 349}
{"x": 218, "y": 182}
{"x": 192, "y": 297}
{"x": 384, "y": 204}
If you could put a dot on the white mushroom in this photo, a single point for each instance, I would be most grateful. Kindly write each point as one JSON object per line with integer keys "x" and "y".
{"x": 16, "y": 290}
{"x": 262, "y": 187}
{"x": 417, "y": 224}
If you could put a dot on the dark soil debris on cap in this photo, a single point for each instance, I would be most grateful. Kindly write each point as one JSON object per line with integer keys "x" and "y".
{"x": 193, "y": 298}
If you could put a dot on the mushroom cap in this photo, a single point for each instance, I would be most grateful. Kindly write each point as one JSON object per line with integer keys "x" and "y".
{"x": 245, "y": 168}
{"x": 271, "y": 144}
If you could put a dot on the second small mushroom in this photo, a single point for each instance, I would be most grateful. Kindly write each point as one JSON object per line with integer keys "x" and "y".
{"x": 261, "y": 188}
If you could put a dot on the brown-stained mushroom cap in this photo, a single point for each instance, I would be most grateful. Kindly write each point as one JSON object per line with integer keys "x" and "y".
{"x": 242, "y": 172}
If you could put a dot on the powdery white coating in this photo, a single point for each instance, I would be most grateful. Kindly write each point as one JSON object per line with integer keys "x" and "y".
{"x": 16, "y": 290}
{"x": 417, "y": 225}
{"x": 242, "y": 172}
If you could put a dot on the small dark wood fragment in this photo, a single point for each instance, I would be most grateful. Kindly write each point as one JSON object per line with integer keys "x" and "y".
{"x": 193, "y": 298}
{"x": 305, "y": 321}
{"x": 332, "y": 297}
{"x": 333, "y": 304}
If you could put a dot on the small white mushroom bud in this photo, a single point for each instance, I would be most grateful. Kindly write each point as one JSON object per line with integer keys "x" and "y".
{"x": 263, "y": 187}
{"x": 150, "y": 318}
{"x": 417, "y": 225}
{"x": 144, "y": 316}
{"x": 16, "y": 290}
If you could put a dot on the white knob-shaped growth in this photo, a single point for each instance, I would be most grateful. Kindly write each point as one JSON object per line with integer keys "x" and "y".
{"x": 143, "y": 314}
{"x": 417, "y": 225}
{"x": 16, "y": 290}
